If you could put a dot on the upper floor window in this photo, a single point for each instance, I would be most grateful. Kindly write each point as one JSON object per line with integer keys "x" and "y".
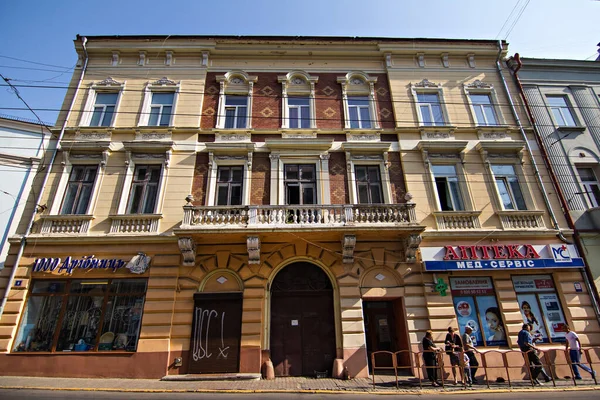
{"x": 300, "y": 184}
{"x": 236, "y": 111}
{"x": 561, "y": 111}
{"x": 299, "y": 112}
{"x": 298, "y": 100}
{"x": 358, "y": 95}
{"x": 161, "y": 109}
{"x": 229, "y": 186}
{"x": 359, "y": 112}
{"x": 483, "y": 103}
{"x": 484, "y": 110}
{"x": 160, "y": 100}
{"x": 79, "y": 189}
{"x": 590, "y": 185}
{"x": 104, "y": 109}
{"x": 235, "y": 100}
{"x": 430, "y": 109}
{"x": 102, "y": 103}
{"x": 508, "y": 187}
{"x": 448, "y": 189}
{"x": 144, "y": 189}
{"x": 368, "y": 184}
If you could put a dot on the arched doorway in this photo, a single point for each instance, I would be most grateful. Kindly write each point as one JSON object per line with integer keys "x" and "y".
{"x": 302, "y": 321}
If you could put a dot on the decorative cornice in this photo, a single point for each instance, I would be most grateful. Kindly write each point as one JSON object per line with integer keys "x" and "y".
{"x": 253, "y": 246}
{"x": 187, "y": 246}
{"x": 164, "y": 81}
{"x": 348, "y": 246}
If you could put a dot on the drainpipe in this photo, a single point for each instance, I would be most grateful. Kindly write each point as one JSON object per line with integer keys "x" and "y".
{"x": 587, "y": 275}
{"x": 44, "y": 182}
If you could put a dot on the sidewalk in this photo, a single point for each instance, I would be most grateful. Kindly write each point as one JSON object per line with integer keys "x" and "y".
{"x": 383, "y": 385}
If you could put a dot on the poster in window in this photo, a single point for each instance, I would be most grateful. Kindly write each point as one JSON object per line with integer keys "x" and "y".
{"x": 531, "y": 314}
{"x": 494, "y": 331}
{"x": 553, "y": 315}
{"x": 466, "y": 314}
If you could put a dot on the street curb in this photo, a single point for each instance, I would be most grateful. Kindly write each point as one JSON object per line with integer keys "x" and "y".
{"x": 307, "y": 391}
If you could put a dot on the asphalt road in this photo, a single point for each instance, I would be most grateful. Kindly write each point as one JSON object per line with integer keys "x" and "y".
{"x": 12, "y": 394}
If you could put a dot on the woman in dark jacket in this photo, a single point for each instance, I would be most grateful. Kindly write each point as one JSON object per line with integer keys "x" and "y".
{"x": 430, "y": 351}
{"x": 453, "y": 349}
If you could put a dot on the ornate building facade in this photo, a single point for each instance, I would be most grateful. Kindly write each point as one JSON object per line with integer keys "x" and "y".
{"x": 219, "y": 202}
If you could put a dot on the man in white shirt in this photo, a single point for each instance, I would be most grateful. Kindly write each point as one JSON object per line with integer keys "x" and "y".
{"x": 575, "y": 353}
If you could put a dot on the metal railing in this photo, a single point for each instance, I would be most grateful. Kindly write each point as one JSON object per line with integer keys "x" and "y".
{"x": 551, "y": 361}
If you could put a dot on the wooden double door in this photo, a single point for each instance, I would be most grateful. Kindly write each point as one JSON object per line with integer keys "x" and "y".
{"x": 302, "y": 321}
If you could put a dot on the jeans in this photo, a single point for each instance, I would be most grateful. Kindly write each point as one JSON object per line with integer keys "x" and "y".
{"x": 575, "y": 359}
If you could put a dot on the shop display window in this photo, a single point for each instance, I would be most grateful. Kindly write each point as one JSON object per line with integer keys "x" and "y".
{"x": 476, "y": 306}
{"x": 540, "y": 306}
{"x": 82, "y": 315}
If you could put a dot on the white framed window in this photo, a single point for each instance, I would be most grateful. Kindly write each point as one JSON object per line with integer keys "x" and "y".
{"x": 368, "y": 172}
{"x": 429, "y": 103}
{"x": 145, "y": 178}
{"x": 102, "y": 104}
{"x": 447, "y": 187}
{"x": 590, "y": 185}
{"x": 235, "y": 100}
{"x": 299, "y": 171}
{"x": 230, "y": 171}
{"x": 508, "y": 186}
{"x": 360, "y": 105}
{"x": 561, "y": 110}
{"x": 298, "y": 100}
{"x": 236, "y": 111}
{"x": 160, "y": 102}
{"x": 483, "y": 103}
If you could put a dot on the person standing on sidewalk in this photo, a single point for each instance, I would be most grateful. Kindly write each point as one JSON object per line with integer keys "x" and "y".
{"x": 525, "y": 342}
{"x": 575, "y": 353}
{"x": 470, "y": 351}
{"x": 454, "y": 349}
{"x": 430, "y": 351}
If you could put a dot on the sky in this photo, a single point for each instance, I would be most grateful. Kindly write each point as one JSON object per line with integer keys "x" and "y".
{"x": 36, "y": 36}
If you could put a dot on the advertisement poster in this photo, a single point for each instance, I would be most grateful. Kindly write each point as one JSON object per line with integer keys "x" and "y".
{"x": 467, "y": 315}
{"x": 554, "y": 317}
{"x": 490, "y": 316}
{"x": 531, "y": 314}
{"x": 533, "y": 283}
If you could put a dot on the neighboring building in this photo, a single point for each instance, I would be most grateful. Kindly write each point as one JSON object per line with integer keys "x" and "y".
{"x": 563, "y": 96}
{"x": 23, "y": 144}
{"x": 222, "y": 201}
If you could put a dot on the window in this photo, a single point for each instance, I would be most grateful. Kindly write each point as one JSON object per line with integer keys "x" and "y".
{"x": 540, "y": 306}
{"x": 358, "y": 109}
{"x": 144, "y": 189}
{"x": 447, "y": 186}
{"x": 475, "y": 305}
{"x": 484, "y": 110}
{"x": 82, "y": 315}
{"x": 229, "y": 186}
{"x": 430, "y": 109}
{"x": 236, "y": 109}
{"x": 561, "y": 111}
{"x": 591, "y": 187}
{"x": 161, "y": 109}
{"x": 79, "y": 190}
{"x": 300, "y": 184}
{"x": 299, "y": 112}
{"x": 508, "y": 187}
{"x": 368, "y": 184}
{"x": 104, "y": 109}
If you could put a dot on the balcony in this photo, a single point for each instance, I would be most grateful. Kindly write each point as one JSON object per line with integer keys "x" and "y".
{"x": 295, "y": 216}
{"x": 521, "y": 219}
{"x": 457, "y": 220}
{"x": 70, "y": 224}
{"x": 134, "y": 223}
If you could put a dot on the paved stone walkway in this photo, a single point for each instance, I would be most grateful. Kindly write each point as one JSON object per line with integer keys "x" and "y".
{"x": 383, "y": 384}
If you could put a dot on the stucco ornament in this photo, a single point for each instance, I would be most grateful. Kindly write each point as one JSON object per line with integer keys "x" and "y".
{"x": 138, "y": 264}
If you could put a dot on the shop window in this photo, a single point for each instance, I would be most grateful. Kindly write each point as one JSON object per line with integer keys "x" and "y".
{"x": 79, "y": 189}
{"x": 540, "y": 307}
{"x": 82, "y": 315}
{"x": 368, "y": 184}
{"x": 229, "y": 186}
{"x": 144, "y": 189}
{"x": 300, "y": 184}
{"x": 475, "y": 305}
